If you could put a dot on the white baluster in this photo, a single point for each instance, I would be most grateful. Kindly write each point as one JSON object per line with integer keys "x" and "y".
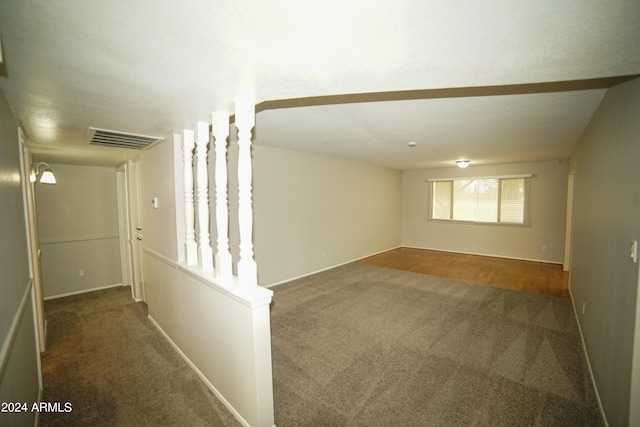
{"x": 189, "y": 214}
{"x": 247, "y": 269}
{"x": 205, "y": 253}
{"x": 223, "y": 255}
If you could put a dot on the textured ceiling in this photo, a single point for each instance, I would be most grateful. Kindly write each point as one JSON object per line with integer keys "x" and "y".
{"x": 484, "y": 129}
{"x": 156, "y": 67}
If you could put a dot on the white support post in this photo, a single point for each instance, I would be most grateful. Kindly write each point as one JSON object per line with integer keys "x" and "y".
{"x": 223, "y": 255}
{"x": 205, "y": 253}
{"x": 247, "y": 269}
{"x": 189, "y": 214}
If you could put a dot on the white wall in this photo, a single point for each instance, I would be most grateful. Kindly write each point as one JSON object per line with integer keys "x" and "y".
{"x": 223, "y": 335}
{"x": 19, "y": 375}
{"x": 78, "y": 230}
{"x": 304, "y": 206}
{"x": 548, "y": 200}
{"x": 606, "y": 218}
{"x": 225, "y": 339}
{"x": 314, "y": 212}
{"x": 157, "y": 180}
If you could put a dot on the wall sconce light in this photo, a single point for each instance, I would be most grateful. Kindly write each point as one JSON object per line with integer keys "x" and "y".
{"x": 46, "y": 176}
{"x": 463, "y": 163}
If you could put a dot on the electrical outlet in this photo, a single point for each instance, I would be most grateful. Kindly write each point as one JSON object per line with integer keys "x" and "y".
{"x": 81, "y": 272}
{"x": 544, "y": 249}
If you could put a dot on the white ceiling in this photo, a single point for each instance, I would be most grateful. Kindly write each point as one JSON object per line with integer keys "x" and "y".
{"x": 462, "y": 79}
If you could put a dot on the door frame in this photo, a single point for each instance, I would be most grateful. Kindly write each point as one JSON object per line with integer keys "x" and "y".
{"x": 135, "y": 231}
{"x": 634, "y": 395}
{"x": 33, "y": 246}
{"x": 566, "y": 265}
{"x": 123, "y": 224}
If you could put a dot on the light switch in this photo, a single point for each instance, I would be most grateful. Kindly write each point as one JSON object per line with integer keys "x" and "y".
{"x": 154, "y": 201}
{"x": 633, "y": 254}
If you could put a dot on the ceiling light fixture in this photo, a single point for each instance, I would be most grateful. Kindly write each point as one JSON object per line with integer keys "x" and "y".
{"x": 47, "y": 176}
{"x": 412, "y": 144}
{"x": 463, "y": 163}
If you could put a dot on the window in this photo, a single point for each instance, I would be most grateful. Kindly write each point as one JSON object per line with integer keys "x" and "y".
{"x": 500, "y": 200}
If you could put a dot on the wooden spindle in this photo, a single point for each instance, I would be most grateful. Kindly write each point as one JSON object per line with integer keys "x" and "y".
{"x": 223, "y": 260}
{"x": 245, "y": 121}
{"x": 191, "y": 248}
{"x": 205, "y": 253}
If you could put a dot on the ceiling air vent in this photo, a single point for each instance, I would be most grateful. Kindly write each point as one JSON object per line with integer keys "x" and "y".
{"x": 111, "y": 138}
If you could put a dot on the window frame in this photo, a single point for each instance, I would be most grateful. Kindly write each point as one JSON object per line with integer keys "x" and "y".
{"x": 527, "y": 200}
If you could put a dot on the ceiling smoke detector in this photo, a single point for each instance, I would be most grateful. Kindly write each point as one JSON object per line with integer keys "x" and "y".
{"x": 116, "y": 139}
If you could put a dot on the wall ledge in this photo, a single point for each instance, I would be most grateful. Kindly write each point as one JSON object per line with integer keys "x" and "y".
{"x": 74, "y": 239}
{"x": 252, "y": 298}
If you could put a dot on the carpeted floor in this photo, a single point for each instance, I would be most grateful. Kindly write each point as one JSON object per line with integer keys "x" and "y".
{"x": 358, "y": 345}
{"x": 361, "y": 345}
{"x": 106, "y": 358}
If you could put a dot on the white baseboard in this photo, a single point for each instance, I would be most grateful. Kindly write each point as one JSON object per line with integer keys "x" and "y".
{"x": 586, "y": 355}
{"x": 84, "y": 291}
{"x": 403, "y": 246}
{"x": 327, "y": 268}
{"x": 201, "y": 375}
{"x": 486, "y": 255}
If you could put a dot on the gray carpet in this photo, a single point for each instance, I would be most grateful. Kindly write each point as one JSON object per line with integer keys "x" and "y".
{"x": 358, "y": 345}
{"x": 106, "y": 358}
{"x": 361, "y": 345}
